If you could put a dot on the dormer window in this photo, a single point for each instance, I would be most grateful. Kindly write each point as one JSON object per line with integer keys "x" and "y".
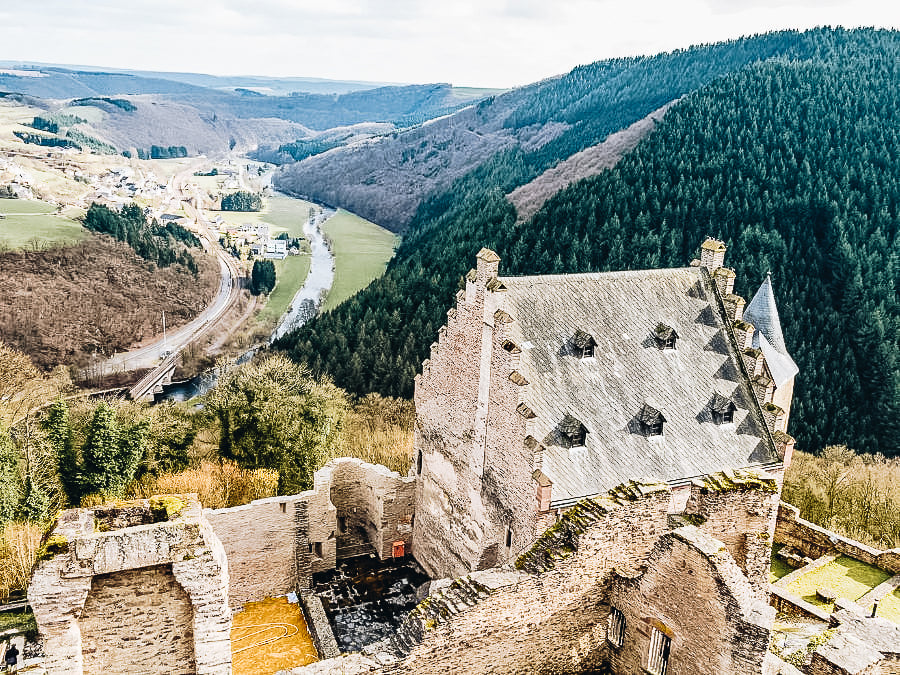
{"x": 583, "y": 345}
{"x": 722, "y": 409}
{"x": 651, "y": 420}
{"x": 573, "y": 432}
{"x": 665, "y": 336}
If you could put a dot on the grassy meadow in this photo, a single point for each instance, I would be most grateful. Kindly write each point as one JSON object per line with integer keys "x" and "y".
{"x": 290, "y": 274}
{"x": 361, "y": 253}
{"x": 27, "y": 222}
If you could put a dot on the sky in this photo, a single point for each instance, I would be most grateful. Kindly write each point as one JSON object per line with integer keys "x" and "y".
{"x": 482, "y": 43}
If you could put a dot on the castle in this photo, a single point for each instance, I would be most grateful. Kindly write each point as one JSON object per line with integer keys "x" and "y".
{"x": 595, "y": 489}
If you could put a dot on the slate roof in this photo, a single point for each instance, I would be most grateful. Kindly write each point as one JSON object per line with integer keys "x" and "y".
{"x": 763, "y": 314}
{"x": 607, "y": 393}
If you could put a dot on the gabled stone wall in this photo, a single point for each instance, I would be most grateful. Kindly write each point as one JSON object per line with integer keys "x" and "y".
{"x": 476, "y": 499}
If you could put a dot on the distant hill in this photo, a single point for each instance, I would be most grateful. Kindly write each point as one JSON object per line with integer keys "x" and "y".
{"x": 208, "y": 114}
{"x": 275, "y": 86}
{"x": 388, "y": 180}
{"x": 786, "y": 145}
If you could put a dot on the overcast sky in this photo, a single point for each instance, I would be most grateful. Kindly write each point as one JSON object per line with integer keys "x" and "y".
{"x": 491, "y": 43}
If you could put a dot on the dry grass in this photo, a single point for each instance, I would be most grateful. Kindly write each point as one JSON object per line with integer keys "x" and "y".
{"x": 379, "y": 430}
{"x": 857, "y": 496}
{"x": 60, "y": 305}
{"x": 19, "y": 545}
{"x": 217, "y": 484}
{"x": 529, "y": 198}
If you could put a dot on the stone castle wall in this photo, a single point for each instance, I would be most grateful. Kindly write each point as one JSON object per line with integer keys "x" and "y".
{"x": 814, "y": 541}
{"x": 551, "y": 614}
{"x": 275, "y": 545}
{"x": 739, "y": 511}
{"x": 699, "y": 599}
{"x": 148, "y": 597}
{"x": 150, "y": 624}
{"x": 476, "y": 500}
{"x": 261, "y": 542}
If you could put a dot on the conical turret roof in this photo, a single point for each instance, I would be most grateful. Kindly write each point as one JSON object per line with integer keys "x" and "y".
{"x": 762, "y": 312}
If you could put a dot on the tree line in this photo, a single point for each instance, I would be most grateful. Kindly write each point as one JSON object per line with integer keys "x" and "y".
{"x": 242, "y": 201}
{"x": 163, "y": 245}
{"x": 793, "y": 162}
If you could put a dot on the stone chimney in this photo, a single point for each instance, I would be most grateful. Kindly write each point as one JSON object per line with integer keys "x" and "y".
{"x": 712, "y": 254}
{"x": 724, "y": 278}
{"x": 488, "y": 266}
{"x": 743, "y": 334}
{"x": 544, "y": 488}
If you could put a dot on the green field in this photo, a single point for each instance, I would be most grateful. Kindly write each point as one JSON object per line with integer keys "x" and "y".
{"x": 846, "y": 577}
{"x": 361, "y": 253}
{"x": 284, "y": 214}
{"x": 290, "y": 274}
{"x": 27, "y": 221}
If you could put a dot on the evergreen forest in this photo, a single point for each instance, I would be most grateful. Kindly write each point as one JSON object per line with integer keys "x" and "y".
{"x": 161, "y": 244}
{"x": 786, "y": 146}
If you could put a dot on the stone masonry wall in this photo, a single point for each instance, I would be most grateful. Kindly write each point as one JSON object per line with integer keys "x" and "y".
{"x": 694, "y": 593}
{"x": 814, "y": 541}
{"x": 448, "y": 487}
{"x": 260, "y": 544}
{"x": 150, "y": 625}
{"x": 375, "y": 501}
{"x": 274, "y": 545}
{"x": 739, "y": 509}
{"x": 90, "y": 576}
{"x": 552, "y": 617}
{"x": 476, "y": 500}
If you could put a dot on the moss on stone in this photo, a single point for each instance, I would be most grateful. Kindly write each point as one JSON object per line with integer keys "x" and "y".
{"x": 56, "y": 544}
{"x": 165, "y": 507}
{"x": 730, "y": 481}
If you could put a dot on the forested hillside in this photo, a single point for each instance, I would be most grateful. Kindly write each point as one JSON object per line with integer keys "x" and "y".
{"x": 537, "y": 126}
{"x": 794, "y": 162}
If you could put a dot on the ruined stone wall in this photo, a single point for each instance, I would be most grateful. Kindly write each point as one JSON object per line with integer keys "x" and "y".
{"x": 739, "y": 509}
{"x": 261, "y": 543}
{"x": 275, "y": 545}
{"x": 551, "y": 618}
{"x": 700, "y": 600}
{"x": 814, "y": 541}
{"x": 135, "y": 579}
{"x": 140, "y": 616}
{"x": 373, "y": 504}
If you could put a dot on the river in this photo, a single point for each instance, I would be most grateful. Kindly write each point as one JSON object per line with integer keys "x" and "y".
{"x": 318, "y": 281}
{"x": 306, "y": 302}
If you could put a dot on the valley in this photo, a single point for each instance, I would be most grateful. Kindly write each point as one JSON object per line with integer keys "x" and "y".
{"x": 629, "y": 333}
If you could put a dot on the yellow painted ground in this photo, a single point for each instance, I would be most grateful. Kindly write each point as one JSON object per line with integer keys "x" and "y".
{"x": 269, "y": 636}
{"x": 848, "y": 578}
{"x": 889, "y": 607}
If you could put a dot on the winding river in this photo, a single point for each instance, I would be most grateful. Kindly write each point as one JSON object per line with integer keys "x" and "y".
{"x": 306, "y": 302}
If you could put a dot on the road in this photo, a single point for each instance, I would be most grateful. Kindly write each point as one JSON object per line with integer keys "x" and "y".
{"x": 150, "y": 355}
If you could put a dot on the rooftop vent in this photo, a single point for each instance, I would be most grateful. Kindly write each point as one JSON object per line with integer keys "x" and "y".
{"x": 651, "y": 420}
{"x": 722, "y": 409}
{"x": 583, "y": 344}
{"x": 572, "y": 431}
{"x": 665, "y": 336}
